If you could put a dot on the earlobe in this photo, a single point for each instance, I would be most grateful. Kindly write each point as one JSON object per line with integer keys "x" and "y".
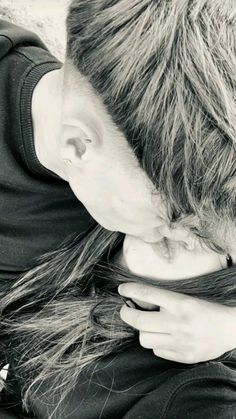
{"x": 78, "y": 145}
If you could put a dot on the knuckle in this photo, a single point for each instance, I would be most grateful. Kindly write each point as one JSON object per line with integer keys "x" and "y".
{"x": 176, "y": 308}
{"x": 185, "y": 308}
{"x": 144, "y": 291}
{"x": 181, "y": 342}
{"x": 186, "y": 333}
{"x": 186, "y": 343}
{"x": 188, "y": 307}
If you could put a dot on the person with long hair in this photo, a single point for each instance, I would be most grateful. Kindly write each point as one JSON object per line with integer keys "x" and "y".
{"x": 147, "y": 143}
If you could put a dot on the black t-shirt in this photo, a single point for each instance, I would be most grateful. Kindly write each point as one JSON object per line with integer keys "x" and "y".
{"x": 136, "y": 384}
{"x": 38, "y": 210}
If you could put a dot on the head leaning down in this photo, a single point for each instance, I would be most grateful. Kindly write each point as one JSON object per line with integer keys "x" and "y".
{"x": 149, "y": 115}
{"x": 149, "y": 124}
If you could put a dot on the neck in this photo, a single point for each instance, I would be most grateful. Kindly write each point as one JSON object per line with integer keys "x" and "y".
{"x": 46, "y": 116}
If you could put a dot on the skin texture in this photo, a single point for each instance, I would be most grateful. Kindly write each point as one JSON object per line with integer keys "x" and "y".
{"x": 116, "y": 191}
{"x": 186, "y": 329}
{"x": 89, "y": 151}
{"x": 169, "y": 259}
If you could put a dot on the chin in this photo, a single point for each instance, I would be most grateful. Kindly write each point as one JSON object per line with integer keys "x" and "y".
{"x": 105, "y": 223}
{"x": 108, "y": 226}
{"x": 116, "y": 228}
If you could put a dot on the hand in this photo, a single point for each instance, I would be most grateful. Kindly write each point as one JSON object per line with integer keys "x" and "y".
{"x": 186, "y": 329}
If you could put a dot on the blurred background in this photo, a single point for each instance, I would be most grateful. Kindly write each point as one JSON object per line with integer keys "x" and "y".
{"x": 45, "y": 17}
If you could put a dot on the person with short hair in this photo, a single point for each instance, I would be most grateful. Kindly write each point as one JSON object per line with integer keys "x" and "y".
{"x": 140, "y": 124}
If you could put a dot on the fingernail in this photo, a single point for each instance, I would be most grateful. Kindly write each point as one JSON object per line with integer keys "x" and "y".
{"x": 120, "y": 289}
{"x": 130, "y": 304}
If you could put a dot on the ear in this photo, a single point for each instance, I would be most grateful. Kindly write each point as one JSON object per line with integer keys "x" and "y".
{"x": 78, "y": 141}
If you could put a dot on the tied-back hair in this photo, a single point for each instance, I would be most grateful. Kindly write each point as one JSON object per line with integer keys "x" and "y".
{"x": 165, "y": 71}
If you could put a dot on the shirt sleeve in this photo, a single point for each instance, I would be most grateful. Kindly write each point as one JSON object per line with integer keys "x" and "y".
{"x": 12, "y": 35}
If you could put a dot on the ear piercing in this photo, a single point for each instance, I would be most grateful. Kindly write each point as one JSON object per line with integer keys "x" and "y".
{"x": 67, "y": 161}
{"x": 229, "y": 261}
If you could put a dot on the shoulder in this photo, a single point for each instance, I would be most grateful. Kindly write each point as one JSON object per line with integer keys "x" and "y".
{"x": 27, "y": 45}
{"x": 12, "y": 36}
{"x": 204, "y": 391}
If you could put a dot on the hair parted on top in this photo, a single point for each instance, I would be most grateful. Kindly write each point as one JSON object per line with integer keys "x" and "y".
{"x": 166, "y": 72}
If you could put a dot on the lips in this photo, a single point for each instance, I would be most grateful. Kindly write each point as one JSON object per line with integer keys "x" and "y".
{"x": 166, "y": 248}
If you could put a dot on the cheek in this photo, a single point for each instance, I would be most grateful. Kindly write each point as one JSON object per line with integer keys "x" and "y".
{"x": 199, "y": 264}
{"x": 142, "y": 259}
{"x": 139, "y": 257}
{"x": 99, "y": 202}
{"x": 133, "y": 206}
{"x": 188, "y": 264}
{"x": 111, "y": 201}
{"x": 86, "y": 186}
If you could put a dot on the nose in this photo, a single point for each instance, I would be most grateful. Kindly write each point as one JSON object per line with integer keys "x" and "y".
{"x": 180, "y": 234}
{"x": 152, "y": 236}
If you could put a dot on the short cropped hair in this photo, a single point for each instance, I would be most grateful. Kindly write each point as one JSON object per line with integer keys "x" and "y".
{"x": 166, "y": 72}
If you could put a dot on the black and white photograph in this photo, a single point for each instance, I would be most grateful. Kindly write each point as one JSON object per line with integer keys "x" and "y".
{"x": 118, "y": 209}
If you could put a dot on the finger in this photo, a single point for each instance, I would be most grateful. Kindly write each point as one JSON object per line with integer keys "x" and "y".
{"x": 145, "y": 305}
{"x": 147, "y": 321}
{"x": 168, "y": 354}
{"x": 169, "y": 300}
{"x": 157, "y": 340}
